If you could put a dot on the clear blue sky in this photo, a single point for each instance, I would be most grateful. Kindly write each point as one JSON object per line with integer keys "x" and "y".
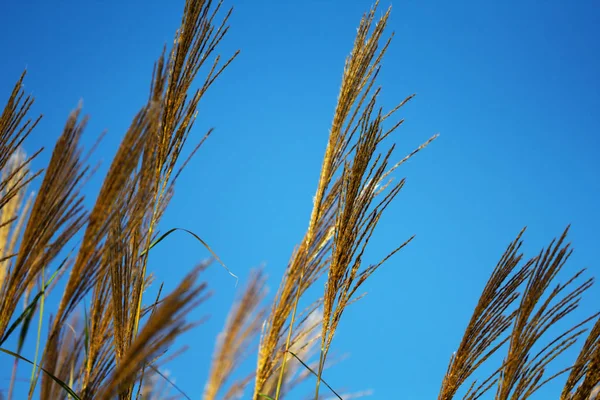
{"x": 512, "y": 86}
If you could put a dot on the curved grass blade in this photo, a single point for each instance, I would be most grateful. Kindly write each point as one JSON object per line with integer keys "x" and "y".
{"x": 27, "y": 314}
{"x": 169, "y": 381}
{"x": 315, "y": 374}
{"x": 54, "y": 378}
{"x": 170, "y": 231}
{"x": 24, "y": 330}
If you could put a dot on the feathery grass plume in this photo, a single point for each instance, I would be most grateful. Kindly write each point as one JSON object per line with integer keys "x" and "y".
{"x": 12, "y": 219}
{"x": 109, "y": 203}
{"x": 139, "y": 185}
{"x": 195, "y": 41}
{"x": 362, "y": 179}
{"x": 87, "y": 266}
{"x": 118, "y": 282}
{"x": 57, "y": 214}
{"x": 12, "y": 214}
{"x": 158, "y": 333}
{"x": 124, "y": 245}
{"x": 99, "y": 340}
{"x": 523, "y": 371}
{"x": 152, "y": 186}
{"x": 312, "y": 256}
{"x": 243, "y": 324}
{"x": 104, "y": 341}
{"x": 584, "y": 377}
{"x": 490, "y": 320}
{"x": 13, "y": 126}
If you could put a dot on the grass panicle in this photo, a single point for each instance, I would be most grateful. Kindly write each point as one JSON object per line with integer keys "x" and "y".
{"x": 348, "y": 183}
{"x": 515, "y": 314}
{"x": 490, "y": 320}
{"x": 584, "y": 376}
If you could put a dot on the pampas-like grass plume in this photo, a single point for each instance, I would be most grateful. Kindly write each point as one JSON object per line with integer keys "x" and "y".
{"x": 342, "y": 219}
{"x": 497, "y": 324}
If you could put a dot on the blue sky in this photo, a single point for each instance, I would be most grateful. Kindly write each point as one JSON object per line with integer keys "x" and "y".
{"x": 512, "y": 87}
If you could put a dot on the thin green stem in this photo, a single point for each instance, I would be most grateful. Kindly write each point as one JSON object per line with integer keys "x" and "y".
{"x": 288, "y": 340}
{"x": 34, "y": 372}
{"x": 320, "y": 372}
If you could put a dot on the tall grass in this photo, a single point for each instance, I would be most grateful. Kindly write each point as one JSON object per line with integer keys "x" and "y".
{"x": 117, "y": 347}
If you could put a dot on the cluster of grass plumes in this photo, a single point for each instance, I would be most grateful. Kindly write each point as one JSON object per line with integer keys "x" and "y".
{"x": 105, "y": 355}
{"x": 515, "y": 312}
{"x": 116, "y": 349}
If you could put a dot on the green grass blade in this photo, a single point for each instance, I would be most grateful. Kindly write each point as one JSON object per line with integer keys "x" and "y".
{"x": 31, "y": 307}
{"x": 24, "y": 329}
{"x": 24, "y": 315}
{"x": 170, "y": 231}
{"x": 54, "y": 378}
{"x": 265, "y": 396}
